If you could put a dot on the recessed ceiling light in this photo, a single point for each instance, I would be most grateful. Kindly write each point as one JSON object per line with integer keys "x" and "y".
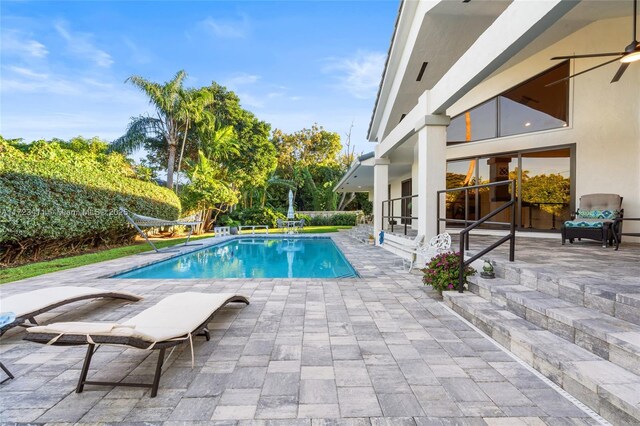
{"x": 527, "y": 124}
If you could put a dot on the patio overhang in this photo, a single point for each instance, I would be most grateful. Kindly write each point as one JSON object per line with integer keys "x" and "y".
{"x": 449, "y": 47}
{"x": 359, "y": 177}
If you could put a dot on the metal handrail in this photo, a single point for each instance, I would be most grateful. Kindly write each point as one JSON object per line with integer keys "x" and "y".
{"x": 464, "y": 234}
{"x": 392, "y": 217}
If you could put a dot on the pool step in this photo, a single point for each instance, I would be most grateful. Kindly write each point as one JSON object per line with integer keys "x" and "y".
{"x": 609, "y": 389}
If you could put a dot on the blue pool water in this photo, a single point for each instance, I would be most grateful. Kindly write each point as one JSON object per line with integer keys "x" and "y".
{"x": 255, "y": 258}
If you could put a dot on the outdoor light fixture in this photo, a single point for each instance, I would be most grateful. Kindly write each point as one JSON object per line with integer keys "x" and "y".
{"x": 631, "y": 57}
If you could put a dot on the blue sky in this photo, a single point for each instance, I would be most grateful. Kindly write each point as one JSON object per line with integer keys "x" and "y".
{"x": 63, "y": 64}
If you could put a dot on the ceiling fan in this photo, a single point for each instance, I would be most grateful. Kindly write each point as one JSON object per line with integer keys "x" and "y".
{"x": 630, "y": 54}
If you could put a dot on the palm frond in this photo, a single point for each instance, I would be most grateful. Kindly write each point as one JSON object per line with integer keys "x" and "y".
{"x": 140, "y": 130}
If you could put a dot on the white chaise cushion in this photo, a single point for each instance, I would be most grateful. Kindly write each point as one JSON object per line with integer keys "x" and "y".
{"x": 173, "y": 317}
{"x": 36, "y": 300}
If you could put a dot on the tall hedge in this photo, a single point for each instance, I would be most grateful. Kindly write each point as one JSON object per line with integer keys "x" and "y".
{"x": 55, "y": 200}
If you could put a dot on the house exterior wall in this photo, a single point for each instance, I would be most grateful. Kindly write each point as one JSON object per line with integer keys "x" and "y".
{"x": 604, "y": 121}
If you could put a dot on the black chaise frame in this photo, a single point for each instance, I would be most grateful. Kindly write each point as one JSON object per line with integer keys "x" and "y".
{"x": 96, "y": 340}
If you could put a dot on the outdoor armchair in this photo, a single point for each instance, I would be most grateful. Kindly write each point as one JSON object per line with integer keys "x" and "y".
{"x": 595, "y": 219}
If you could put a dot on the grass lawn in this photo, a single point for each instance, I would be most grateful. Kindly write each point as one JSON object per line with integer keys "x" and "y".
{"x": 39, "y": 268}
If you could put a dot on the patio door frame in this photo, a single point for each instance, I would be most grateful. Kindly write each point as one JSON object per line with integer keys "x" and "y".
{"x": 517, "y": 154}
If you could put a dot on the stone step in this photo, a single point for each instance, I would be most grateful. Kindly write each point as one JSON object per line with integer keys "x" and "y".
{"x": 617, "y": 296}
{"x": 610, "y": 338}
{"x": 608, "y": 389}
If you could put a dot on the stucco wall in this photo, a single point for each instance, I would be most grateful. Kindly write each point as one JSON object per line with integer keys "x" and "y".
{"x": 604, "y": 118}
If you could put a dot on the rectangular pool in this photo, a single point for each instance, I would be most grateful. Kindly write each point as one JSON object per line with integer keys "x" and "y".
{"x": 255, "y": 258}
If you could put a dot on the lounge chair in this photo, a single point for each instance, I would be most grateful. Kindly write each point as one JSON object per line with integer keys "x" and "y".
{"x": 27, "y": 305}
{"x": 171, "y": 322}
{"x": 23, "y": 307}
{"x": 139, "y": 221}
{"x": 596, "y": 219}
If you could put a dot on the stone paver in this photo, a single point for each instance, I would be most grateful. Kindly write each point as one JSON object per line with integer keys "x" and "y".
{"x": 374, "y": 350}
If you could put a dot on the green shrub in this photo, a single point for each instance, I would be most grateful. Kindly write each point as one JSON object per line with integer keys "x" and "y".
{"x": 306, "y": 217}
{"x": 255, "y": 216}
{"x": 57, "y": 200}
{"x": 340, "y": 219}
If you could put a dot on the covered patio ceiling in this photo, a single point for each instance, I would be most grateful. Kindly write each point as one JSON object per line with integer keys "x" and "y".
{"x": 447, "y": 31}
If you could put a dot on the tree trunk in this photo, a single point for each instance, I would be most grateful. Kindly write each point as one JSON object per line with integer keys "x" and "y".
{"x": 184, "y": 142}
{"x": 172, "y": 161}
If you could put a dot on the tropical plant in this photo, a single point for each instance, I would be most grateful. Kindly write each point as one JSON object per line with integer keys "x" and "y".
{"x": 442, "y": 272}
{"x": 59, "y": 198}
{"x": 163, "y": 131}
{"x": 209, "y": 191}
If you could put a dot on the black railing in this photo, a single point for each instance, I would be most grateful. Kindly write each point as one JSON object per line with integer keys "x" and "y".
{"x": 464, "y": 234}
{"x": 405, "y": 206}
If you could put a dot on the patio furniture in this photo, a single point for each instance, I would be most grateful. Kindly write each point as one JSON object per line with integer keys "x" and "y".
{"x": 172, "y": 321}
{"x": 595, "y": 219}
{"x": 441, "y": 243}
{"x": 405, "y": 248}
{"x": 617, "y": 226}
{"x": 279, "y": 224}
{"x": 253, "y": 228}
{"x": 221, "y": 231}
{"x": 25, "y": 306}
{"x": 139, "y": 221}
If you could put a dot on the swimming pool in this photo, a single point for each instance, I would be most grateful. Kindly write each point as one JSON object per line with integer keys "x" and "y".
{"x": 255, "y": 258}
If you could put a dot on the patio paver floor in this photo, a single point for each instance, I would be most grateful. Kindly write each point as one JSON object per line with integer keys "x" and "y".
{"x": 372, "y": 350}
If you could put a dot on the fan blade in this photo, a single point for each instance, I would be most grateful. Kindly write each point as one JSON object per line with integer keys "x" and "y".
{"x": 590, "y": 55}
{"x": 621, "y": 71}
{"x": 581, "y": 72}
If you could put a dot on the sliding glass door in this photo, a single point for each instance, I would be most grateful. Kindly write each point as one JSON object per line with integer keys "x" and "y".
{"x": 544, "y": 187}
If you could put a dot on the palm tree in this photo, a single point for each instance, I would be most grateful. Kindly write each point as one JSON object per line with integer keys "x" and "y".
{"x": 164, "y": 130}
{"x": 195, "y": 109}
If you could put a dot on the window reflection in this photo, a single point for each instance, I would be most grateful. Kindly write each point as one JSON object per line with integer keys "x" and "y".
{"x": 528, "y": 107}
{"x": 476, "y": 124}
{"x": 543, "y": 188}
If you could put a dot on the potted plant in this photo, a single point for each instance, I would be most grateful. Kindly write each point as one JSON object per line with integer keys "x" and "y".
{"x": 371, "y": 238}
{"x": 442, "y": 272}
{"x": 233, "y": 226}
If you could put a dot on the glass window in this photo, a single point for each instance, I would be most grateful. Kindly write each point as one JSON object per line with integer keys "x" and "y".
{"x": 459, "y": 174}
{"x": 532, "y": 107}
{"x": 529, "y": 107}
{"x": 476, "y": 124}
{"x": 492, "y": 169}
{"x": 546, "y": 188}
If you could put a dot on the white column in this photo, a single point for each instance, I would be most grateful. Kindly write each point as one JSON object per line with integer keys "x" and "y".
{"x": 432, "y": 167}
{"x": 380, "y": 193}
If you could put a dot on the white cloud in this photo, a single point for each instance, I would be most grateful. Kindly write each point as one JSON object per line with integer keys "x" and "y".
{"x": 81, "y": 45}
{"x": 241, "y": 79}
{"x": 249, "y": 100}
{"x": 226, "y": 28}
{"x": 26, "y": 72}
{"x": 359, "y": 75}
{"x": 139, "y": 54}
{"x": 16, "y": 43}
